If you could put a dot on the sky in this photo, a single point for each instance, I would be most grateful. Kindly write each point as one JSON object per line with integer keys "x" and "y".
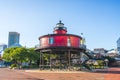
{"x": 98, "y": 20}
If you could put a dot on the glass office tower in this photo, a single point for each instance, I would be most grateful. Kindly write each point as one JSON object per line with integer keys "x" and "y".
{"x": 13, "y": 38}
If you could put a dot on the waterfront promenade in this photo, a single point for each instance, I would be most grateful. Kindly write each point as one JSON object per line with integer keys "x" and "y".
{"x": 7, "y": 74}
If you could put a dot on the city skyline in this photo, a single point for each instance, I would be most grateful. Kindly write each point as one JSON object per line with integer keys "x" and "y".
{"x": 98, "y": 20}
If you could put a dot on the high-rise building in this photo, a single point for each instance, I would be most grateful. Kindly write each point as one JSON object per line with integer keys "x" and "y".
{"x": 118, "y": 45}
{"x": 2, "y": 48}
{"x": 13, "y": 38}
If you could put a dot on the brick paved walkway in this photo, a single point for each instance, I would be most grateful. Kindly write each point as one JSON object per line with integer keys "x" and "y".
{"x": 110, "y": 74}
{"x": 7, "y": 74}
{"x": 113, "y": 74}
{"x": 69, "y": 76}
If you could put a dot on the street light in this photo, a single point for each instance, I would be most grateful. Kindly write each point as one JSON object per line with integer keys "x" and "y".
{"x": 106, "y": 62}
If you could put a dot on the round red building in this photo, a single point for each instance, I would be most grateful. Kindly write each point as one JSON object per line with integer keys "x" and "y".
{"x": 64, "y": 49}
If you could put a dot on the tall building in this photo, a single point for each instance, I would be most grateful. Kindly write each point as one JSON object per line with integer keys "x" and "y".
{"x": 2, "y": 48}
{"x": 13, "y": 39}
{"x": 118, "y": 45}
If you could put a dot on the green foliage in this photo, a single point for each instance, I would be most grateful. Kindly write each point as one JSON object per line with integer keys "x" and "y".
{"x": 48, "y": 56}
{"x": 100, "y": 62}
{"x": 13, "y": 66}
{"x": 53, "y": 56}
{"x": 32, "y": 55}
{"x": 17, "y": 55}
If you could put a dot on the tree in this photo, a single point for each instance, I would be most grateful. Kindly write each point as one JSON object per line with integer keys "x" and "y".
{"x": 32, "y": 55}
{"x": 49, "y": 57}
{"x": 18, "y": 55}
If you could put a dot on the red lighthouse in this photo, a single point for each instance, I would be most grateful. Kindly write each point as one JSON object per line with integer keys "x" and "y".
{"x": 66, "y": 48}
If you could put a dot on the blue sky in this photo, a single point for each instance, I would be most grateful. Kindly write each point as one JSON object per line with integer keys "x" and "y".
{"x": 98, "y": 20}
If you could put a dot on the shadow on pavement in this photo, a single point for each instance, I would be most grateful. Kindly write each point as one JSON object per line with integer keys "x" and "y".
{"x": 34, "y": 79}
{"x": 110, "y": 71}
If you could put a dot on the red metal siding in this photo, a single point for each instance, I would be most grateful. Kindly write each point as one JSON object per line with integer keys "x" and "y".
{"x": 75, "y": 41}
{"x": 60, "y": 32}
{"x": 60, "y": 41}
{"x": 44, "y": 42}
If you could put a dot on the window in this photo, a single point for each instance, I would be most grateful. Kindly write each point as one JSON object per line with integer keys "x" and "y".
{"x": 51, "y": 40}
{"x": 68, "y": 42}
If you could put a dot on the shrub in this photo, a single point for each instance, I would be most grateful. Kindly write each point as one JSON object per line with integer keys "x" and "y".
{"x": 13, "y": 66}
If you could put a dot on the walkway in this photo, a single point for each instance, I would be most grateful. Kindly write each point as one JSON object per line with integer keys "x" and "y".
{"x": 113, "y": 74}
{"x": 7, "y": 74}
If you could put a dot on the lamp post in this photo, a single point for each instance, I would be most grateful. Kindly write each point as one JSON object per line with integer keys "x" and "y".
{"x": 106, "y": 63}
